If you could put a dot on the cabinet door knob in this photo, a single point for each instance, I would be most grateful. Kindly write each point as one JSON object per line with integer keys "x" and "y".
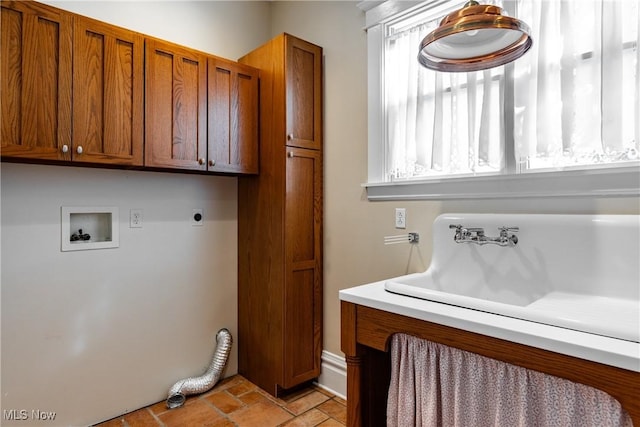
{"x": 65, "y": 148}
{"x": 212, "y": 162}
{"x": 290, "y": 137}
{"x": 79, "y": 149}
{"x": 201, "y": 161}
{"x": 290, "y": 154}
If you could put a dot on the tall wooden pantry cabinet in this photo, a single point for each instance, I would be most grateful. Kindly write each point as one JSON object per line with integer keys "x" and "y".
{"x": 280, "y": 222}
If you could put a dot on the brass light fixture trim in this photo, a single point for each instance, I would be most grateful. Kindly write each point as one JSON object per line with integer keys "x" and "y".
{"x": 476, "y": 37}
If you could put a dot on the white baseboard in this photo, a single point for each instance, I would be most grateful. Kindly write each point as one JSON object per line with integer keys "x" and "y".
{"x": 333, "y": 376}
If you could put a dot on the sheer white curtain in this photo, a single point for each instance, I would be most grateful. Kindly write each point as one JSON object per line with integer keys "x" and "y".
{"x": 577, "y": 90}
{"x": 439, "y": 123}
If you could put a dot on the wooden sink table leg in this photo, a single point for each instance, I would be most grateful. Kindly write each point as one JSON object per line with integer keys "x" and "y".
{"x": 354, "y": 363}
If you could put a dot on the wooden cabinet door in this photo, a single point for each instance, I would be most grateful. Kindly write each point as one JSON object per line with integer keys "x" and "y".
{"x": 175, "y": 106}
{"x": 233, "y": 117}
{"x": 303, "y": 69}
{"x": 35, "y": 58}
{"x": 107, "y": 94}
{"x": 303, "y": 260}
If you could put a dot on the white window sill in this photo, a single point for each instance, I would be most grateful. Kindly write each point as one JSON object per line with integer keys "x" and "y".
{"x": 587, "y": 183}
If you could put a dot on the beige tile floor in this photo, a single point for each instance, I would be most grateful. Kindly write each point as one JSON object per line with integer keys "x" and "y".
{"x": 237, "y": 402}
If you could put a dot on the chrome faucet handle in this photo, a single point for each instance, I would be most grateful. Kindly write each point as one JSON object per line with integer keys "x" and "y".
{"x": 460, "y": 232}
{"x": 504, "y": 235}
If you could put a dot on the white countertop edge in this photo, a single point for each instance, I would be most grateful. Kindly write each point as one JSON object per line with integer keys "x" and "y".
{"x": 605, "y": 350}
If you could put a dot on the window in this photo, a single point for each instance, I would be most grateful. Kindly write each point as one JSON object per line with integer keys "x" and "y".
{"x": 566, "y": 111}
{"x": 438, "y": 124}
{"x": 576, "y": 93}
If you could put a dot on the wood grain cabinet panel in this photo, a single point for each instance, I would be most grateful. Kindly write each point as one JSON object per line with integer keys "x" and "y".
{"x": 71, "y": 87}
{"x": 304, "y": 94}
{"x": 107, "y": 94}
{"x": 280, "y": 222}
{"x": 175, "y": 106}
{"x": 35, "y": 56}
{"x": 232, "y": 117}
{"x": 303, "y": 254}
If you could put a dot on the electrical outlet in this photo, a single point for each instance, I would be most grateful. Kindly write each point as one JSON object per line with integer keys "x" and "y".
{"x": 197, "y": 217}
{"x": 135, "y": 218}
{"x": 401, "y": 218}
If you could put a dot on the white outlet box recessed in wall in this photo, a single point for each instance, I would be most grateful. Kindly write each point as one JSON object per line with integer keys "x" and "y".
{"x": 85, "y": 228}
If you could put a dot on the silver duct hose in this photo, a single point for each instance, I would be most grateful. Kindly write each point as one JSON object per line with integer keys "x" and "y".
{"x": 194, "y": 385}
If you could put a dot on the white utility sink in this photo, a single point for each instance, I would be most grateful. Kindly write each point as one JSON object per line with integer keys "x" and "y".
{"x": 579, "y": 272}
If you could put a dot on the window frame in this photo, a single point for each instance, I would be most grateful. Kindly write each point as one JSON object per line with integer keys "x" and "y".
{"x": 619, "y": 181}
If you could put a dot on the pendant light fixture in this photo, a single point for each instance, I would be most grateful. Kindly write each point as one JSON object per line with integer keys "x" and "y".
{"x": 474, "y": 38}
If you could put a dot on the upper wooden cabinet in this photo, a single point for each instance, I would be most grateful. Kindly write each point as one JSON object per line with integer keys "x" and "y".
{"x": 201, "y": 111}
{"x": 303, "y": 71}
{"x": 233, "y": 117}
{"x": 35, "y": 54}
{"x": 107, "y": 94}
{"x": 297, "y": 90}
{"x": 77, "y": 89}
{"x": 53, "y": 113}
{"x": 175, "y": 106}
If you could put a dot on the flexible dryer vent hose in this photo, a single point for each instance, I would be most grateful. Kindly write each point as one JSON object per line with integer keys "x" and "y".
{"x": 178, "y": 393}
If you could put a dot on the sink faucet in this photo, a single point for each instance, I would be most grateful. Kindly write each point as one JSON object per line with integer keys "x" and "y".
{"x": 476, "y": 235}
